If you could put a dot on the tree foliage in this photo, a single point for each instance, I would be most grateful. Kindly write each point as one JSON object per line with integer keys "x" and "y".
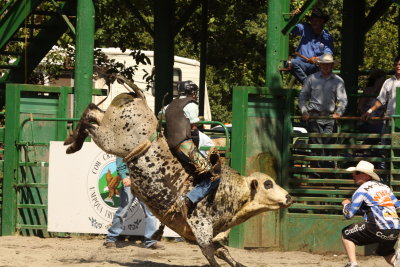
{"x": 236, "y": 39}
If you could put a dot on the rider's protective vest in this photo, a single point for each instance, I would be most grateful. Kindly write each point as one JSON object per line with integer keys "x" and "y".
{"x": 178, "y": 126}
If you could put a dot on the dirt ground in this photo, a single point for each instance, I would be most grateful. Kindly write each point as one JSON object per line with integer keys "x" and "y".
{"x": 88, "y": 251}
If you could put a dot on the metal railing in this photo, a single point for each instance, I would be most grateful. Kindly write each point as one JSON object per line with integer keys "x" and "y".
{"x": 318, "y": 179}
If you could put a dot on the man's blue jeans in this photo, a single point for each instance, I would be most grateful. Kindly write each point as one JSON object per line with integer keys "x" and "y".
{"x": 117, "y": 226}
{"x": 202, "y": 189}
{"x": 301, "y": 70}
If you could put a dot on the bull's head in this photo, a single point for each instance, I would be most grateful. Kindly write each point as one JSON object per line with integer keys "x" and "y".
{"x": 266, "y": 194}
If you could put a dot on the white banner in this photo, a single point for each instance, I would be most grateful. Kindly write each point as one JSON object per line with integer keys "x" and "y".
{"x": 83, "y": 193}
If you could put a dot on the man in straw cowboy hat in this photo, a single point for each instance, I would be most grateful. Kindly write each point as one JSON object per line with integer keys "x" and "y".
{"x": 314, "y": 42}
{"x": 323, "y": 94}
{"x": 381, "y": 224}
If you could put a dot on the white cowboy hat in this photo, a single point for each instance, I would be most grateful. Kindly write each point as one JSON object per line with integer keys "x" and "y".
{"x": 365, "y": 167}
{"x": 326, "y": 59}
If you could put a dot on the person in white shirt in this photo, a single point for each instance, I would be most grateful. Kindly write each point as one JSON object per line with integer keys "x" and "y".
{"x": 387, "y": 95}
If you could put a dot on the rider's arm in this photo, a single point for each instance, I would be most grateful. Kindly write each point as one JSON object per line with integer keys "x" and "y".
{"x": 191, "y": 111}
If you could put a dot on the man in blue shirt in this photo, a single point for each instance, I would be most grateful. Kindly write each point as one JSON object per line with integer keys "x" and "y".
{"x": 314, "y": 42}
{"x": 127, "y": 199}
{"x": 381, "y": 224}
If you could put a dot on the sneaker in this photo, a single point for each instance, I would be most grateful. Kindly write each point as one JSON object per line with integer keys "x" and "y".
{"x": 396, "y": 262}
{"x": 351, "y": 265}
{"x": 157, "y": 246}
{"x": 109, "y": 244}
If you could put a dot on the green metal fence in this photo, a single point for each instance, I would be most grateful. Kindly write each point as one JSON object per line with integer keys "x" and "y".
{"x": 263, "y": 133}
{"x": 318, "y": 192}
{"x": 34, "y": 116}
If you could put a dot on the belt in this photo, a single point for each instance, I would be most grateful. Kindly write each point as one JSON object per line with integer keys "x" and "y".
{"x": 320, "y": 113}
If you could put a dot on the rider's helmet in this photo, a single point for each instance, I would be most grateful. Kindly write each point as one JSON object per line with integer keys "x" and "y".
{"x": 187, "y": 88}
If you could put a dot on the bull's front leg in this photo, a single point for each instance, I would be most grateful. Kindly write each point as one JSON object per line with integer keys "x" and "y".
{"x": 203, "y": 231}
{"x": 223, "y": 253}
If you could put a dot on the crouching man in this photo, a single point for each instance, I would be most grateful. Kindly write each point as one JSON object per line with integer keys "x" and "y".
{"x": 381, "y": 223}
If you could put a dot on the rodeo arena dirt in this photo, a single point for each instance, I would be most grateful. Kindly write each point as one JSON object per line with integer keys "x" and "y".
{"x": 89, "y": 251}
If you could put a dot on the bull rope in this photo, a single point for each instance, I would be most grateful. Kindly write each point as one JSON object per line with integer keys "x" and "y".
{"x": 141, "y": 148}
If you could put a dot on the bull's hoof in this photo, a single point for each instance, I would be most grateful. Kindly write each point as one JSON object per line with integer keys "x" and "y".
{"x": 70, "y": 139}
{"x": 73, "y": 148}
{"x": 238, "y": 264}
{"x": 159, "y": 233}
{"x": 70, "y": 150}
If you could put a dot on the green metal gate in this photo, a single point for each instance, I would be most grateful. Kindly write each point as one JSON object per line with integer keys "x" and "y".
{"x": 35, "y": 115}
{"x": 259, "y": 137}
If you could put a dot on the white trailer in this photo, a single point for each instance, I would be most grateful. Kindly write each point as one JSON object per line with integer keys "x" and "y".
{"x": 184, "y": 69}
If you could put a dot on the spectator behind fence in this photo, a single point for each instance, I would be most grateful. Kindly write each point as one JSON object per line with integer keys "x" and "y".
{"x": 314, "y": 42}
{"x": 374, "y": 83}
{"x": 387, "y": 96}
{"x": 323, "y": 94}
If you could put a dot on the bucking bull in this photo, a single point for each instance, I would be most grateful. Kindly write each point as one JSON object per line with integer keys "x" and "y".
{"x": 128, "y": 129}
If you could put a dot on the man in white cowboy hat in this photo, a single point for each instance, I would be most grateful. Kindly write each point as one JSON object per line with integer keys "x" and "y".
{"x": 323, "y": 94}
{"x": 381, "y": 224}
{"x": 314, "y": 42}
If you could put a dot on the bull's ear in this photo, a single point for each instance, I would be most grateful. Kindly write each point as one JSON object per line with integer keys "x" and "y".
{"x": 253, "y": 187}
{"x": 254, "y": 184}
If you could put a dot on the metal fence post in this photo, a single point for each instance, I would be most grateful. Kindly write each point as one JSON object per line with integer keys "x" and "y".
{"x": 9, "y": 206}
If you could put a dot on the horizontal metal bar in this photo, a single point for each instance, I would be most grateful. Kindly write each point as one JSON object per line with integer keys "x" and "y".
{"x": 342, "y": 146}
{"x": 318, "y": 199}
{"x": 343, "y": 135}
{"x": 33, "y": 164}
{"x": 341, "y": 158}
{"x": 331, "y": 170}
{"x": 321, "y": 191}
{"x": 51, "y": 119}
{"x": 43, "y": 89}
{"x": 344, "y": 118}
{"x": 315, "y": 207}
{"x": 32, "y": 206}
{"x": 56, "y": 89}
{"x": 321, "y": 181}
{"x": 22, "y": 143}
{"x": 31, "y": 227}
{"x": 36, "y": 185}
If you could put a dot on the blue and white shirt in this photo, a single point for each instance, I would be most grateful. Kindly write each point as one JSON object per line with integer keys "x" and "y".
{"x": 122, "y": 168}
{"x": 378, "y": 204}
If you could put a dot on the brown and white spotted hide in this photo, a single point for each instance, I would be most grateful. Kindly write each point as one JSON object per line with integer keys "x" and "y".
{"x": 158, "y": 179}
{"x": 126, "y": 123}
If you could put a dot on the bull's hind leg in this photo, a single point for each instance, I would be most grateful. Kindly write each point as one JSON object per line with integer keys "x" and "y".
{"x": 92, "y": 114}
{"x": 223, "y": 253}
